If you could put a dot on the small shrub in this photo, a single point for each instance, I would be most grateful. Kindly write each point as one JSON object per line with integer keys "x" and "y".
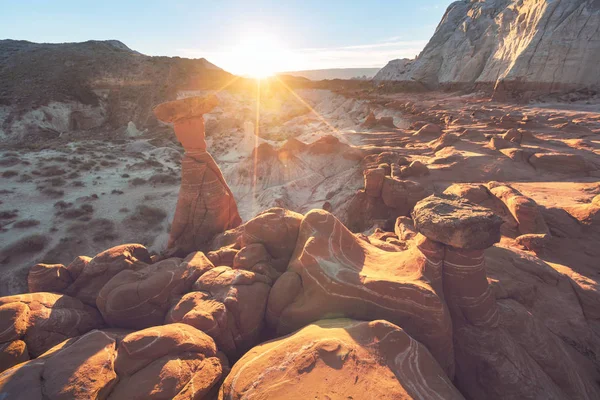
{"x": 26, "y": 223}
{"x": 137, "y": 182}
{"x": 9, "y": 174}
{"x": 28, "y": 244}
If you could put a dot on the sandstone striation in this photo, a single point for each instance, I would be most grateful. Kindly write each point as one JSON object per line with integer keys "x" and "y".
{"x": 333, "y": 273}
{"x": 42, "y": 320}
{"x": 340, "y": 358}
{"x": 206, "y": 205}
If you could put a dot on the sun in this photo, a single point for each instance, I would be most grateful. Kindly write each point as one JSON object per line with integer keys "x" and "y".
{"x": 259, "y": 56}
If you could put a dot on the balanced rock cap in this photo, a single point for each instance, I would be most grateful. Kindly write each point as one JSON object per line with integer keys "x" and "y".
{"x": 456, "y": 222}
{"x": 177, "y": 110}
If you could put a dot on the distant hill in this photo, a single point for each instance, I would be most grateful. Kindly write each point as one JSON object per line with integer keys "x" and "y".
{"x": 47, "y": 89}
{"x": 335, "y": 73}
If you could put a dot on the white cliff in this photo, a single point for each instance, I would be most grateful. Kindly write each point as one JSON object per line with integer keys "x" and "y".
{"x": 537, "y": 45}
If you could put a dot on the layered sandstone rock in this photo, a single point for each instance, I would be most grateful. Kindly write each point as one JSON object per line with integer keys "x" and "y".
{"x": 85, "y": 277}
{"x": 78, "y": 368}
{"x": 165, "y": 362}
{"x": 174, "y": 361}
{"x": 140, "y": 299}
{"x": 227, "y": 304}
{"x": 276, "y": 229}
{"x": 511, "y": 45}
{"x": 42, "y": 320}
{"x": 524, "y": 209}
{"x": 537, "y": 364}
{"x": 332, "y": 273}
{"x": 12, "y": 353}
{"x": 206, "y": 205}
{"x": 388, "y": 193}
{"x": 340, "y": 358}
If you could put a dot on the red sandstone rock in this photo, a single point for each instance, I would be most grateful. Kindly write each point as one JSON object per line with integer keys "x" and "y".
{"x": 447, "y": 139}
{"x": 48, "y": 278}
{"x": 100, "y": 269}
{"x": 474, "y": 193}
{"x": 205, "y": 206}
{"x": 12, "y": 353}
{"x": 333, "y": 273}
{"x": 374, "y": 181}
{"x": 524, "y": 209}
{"x": 43, "y": 320}
{"x": 429, "y": 130}
{"x": 140, "y": 299}
{"x": 227, "y": 304}
{"x": 340, "y": 358}
{"x": 174, "y": 361}
{"x": 79, "y": 368}
{"x": 276, "y": 229}
{"x": 416, "y": 168}
{"x": 559, "y": 162}
{"x": 182, "y": 109}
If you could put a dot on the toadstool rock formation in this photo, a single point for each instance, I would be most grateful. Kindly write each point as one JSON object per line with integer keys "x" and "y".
{"x": 206, "y": 205}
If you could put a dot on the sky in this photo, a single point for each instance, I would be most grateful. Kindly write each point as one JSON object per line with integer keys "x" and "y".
{"x": 237, "y": 35}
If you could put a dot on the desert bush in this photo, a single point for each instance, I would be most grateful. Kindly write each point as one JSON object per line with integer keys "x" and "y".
{"x": 137, "y": 182}
{"x": 50, "y": 192}
{"x": 163, "y": 179}
{"x": 146, "y": 216}
{"x": 26, "y": 223}
{"x": 10, "y": 173}
{"x": 51, "y": 170}
{"x": 25, "y": 178}
{"x": 26, "y": 245}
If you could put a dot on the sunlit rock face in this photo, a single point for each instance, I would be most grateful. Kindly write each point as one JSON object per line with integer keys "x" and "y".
{"x": 206, "y": 205}
{"x": 174, "y": 361}
{"x": 340, "y": 358}
{"x": 332, "y": 273}
{"x": 511, "y": 45}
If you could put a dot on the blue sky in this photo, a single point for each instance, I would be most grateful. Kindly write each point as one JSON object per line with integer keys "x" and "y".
{"x": 296, "y": 35}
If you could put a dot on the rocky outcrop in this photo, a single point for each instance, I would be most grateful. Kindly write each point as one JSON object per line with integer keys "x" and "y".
{"x": 511, "y": 46}
{"x": 173, "y": 361}
{"x": 205, "y": 206}
{"x": 333, "y": 273}
{"x": 536, "y": 364}
{"x": 85, "y": 277}
{"x": 74, "y": 87}
{"x": 340, "y": 358}
{"x": 140, "y": 299}
{"x": 229, "y": 305}
{"x": 42, "y": 320}
{"x": 387, "y": 194}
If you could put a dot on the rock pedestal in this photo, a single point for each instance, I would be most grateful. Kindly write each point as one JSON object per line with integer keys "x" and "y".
{"x": 206, "y": 205}
{"x": 485, "y": 330}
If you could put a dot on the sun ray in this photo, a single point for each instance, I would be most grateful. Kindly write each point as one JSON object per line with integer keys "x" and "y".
{"x": 256, "y": 136}
{"x": 225, "y": 86}
{"x": 299, "y": 98}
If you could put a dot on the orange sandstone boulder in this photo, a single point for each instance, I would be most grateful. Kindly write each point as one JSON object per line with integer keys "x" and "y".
{"x": 340, "y": 359}
{"x": 12, "y": 353}
{"x": 229, "y": 305}
{"x": 333, "y": 274}
{"x": 140, "y": 299}
{"x": 43, "y": 320}
{"x": 182, "y": 109}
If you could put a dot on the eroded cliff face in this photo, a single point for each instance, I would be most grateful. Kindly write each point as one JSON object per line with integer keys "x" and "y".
{"x": 523, "y": 45}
